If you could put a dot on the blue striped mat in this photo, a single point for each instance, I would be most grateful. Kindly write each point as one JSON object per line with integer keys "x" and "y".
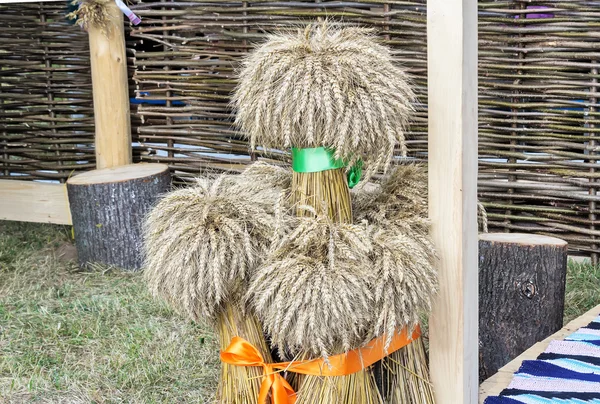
{"x": 568, "y": 372}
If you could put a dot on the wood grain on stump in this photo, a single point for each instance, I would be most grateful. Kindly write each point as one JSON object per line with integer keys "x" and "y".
{"x": 521, "y": 295}
{"x": 108, "y": 207}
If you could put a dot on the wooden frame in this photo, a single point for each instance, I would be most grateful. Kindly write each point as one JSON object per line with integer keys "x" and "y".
{"x": 452, "y": 87}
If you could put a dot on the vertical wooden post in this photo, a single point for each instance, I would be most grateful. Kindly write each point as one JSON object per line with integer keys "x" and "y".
{"x": 111, "y": 95}
{"x": 452, "y": 81}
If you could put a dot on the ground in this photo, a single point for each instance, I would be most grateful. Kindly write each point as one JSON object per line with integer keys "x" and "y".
{"x": 68, "y": 336}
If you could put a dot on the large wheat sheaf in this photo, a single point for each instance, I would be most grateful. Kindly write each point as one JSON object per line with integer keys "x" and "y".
{"x": 403, "y": 254}
{"x": 313, "y": 294}
{"x": 330, "y": 287}
{"x": 203, "y": 241}
{"x": 325, "y": 85}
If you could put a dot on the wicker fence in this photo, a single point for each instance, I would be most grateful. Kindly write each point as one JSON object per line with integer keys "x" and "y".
{"x": 46, "y": 106}
{"x": 199, "y": 46}
{"x": 539, "y": 76}
{"x": 46, "y": 113}
{"x": 538, "y": 123}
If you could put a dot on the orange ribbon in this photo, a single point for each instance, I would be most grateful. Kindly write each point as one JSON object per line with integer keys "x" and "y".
{"x": 242, "y": 353}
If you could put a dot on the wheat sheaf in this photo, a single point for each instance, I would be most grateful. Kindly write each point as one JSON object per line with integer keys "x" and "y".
{"x": 325, "y": 86}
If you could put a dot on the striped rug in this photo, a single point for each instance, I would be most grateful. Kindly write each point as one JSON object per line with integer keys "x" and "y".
{"x": 568, "y": 372}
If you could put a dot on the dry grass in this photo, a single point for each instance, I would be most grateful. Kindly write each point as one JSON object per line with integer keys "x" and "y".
{"x": 325, "y": 85}
{"x": 91, "y": 13}
{"x": 68, "y": 336}
{"x": 115, "y": 343}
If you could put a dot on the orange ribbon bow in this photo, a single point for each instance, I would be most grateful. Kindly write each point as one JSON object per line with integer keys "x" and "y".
{"x": 242, "y": 353}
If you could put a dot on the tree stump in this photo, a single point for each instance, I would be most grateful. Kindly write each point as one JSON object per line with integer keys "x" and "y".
{"x": 521, "y": 295}
{"x": 108, "y": 208}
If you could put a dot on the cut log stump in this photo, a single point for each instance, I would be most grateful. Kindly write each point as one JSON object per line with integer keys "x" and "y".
{"x": 108, "y": 208}
{"x": 521, "y": 295}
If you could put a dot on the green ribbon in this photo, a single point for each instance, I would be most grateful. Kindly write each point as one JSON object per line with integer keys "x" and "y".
{"x": 321, "y": 159}
{"x": 354, "y": 174}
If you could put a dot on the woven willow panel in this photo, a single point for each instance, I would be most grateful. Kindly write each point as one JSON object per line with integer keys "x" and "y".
{"x": 538, "y": 79}
{"x": 191, "y": 50}
{"x": 46, "y": 113}
{"x": 46, "y": 103}
{"x": 538, "y": 118}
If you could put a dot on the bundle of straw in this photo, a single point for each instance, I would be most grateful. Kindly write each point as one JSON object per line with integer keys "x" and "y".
{"x": 314, "y": 297}
{"x": 406, "y": 279}
{"x": 336, "y": 88}
{"x": 202, "y": 243}
{"x": 329, "y": 86}
{"x": 314, "y": 291}
{"x": 91, "y": 13}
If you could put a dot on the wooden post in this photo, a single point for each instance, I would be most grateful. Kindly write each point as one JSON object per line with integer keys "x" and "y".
{"x": 452, "y": 82}
{"x": 111, "y": 94}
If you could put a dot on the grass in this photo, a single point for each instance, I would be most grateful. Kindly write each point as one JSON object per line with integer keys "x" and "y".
{"x": 68, "y": 336}
{"x": 583, "y": 289}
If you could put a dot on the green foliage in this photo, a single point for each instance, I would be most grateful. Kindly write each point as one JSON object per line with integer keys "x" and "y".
{"x": 583, "y": 289}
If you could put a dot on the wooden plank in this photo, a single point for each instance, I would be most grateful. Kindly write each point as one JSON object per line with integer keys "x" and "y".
{"x": 498, "y": 382}
{"x": 29, "y": 201}
{"x": 111, "y": 94}
{"x": 452, "y": 87}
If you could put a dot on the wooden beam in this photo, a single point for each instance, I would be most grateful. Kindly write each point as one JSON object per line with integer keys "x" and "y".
{"x": 29, "y": 201}
{"x": 111, "y": 91}
{"x": 498, "y": 382}
{"x": 452, "y": 82}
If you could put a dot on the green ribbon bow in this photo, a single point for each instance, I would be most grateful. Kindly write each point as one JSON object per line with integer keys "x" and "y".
{"x": 322, "y": 159}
